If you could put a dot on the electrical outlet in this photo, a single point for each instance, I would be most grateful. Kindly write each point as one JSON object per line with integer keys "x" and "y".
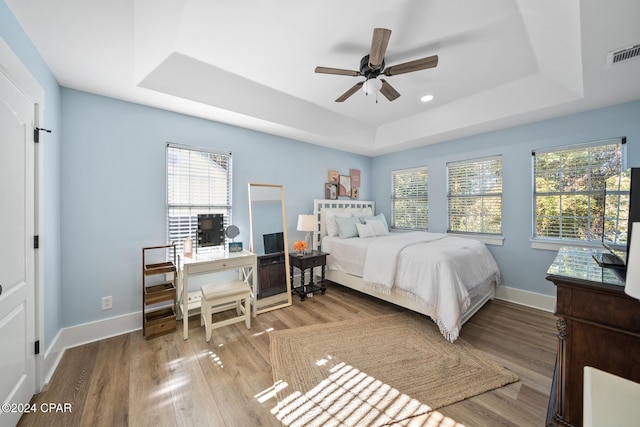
{"x": 107, "y": 303}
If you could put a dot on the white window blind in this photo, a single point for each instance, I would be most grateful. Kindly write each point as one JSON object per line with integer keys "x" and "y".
{"x": 409, "y": 199}
{"x": 580, "y": 192}
{"x": 198, "y": 182}
{"x": 475, "y": 195}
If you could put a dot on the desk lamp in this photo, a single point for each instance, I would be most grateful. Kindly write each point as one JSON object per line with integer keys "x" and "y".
{"x": 308, "y": 223}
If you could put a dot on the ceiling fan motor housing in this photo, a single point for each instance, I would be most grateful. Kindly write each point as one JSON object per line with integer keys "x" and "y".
{"x": 368, "y": 72}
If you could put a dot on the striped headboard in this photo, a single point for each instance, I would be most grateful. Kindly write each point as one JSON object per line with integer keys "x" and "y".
{"x": 320, "y": 204}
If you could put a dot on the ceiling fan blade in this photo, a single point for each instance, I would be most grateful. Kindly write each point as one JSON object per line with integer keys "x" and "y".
{"x": 388, "y": 91}
{"x": 408, "y": 67}
{"x": 350, "y": 92}
{"x": 339, "y": 71}
{"x": 378, "y": 47}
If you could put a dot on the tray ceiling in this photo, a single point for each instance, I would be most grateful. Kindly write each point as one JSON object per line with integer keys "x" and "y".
{"x": 251, "y": 63}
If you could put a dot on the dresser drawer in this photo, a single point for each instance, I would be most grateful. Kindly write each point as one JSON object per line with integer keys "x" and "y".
{"x": 219, "y": 265}
{"x": 315, "y": 262}
{"x": 605, "y": 307}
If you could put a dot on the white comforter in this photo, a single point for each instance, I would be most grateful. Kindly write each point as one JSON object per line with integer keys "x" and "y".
{"x": 442, "y": 273}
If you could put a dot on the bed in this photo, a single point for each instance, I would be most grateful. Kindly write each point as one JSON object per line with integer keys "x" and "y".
{"x": 444, "y": 277}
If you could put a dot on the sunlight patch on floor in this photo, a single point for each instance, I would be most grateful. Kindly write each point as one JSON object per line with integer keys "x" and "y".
{"x": 216, "y": 359}
{"x": 322, "y": 362}
{"x": 269, "y": 393}
{"x": 266, "y": 331}
{"x": 167, "y": 387}
{"x": 351, "y": 397}
{"x": 164, "y": 395}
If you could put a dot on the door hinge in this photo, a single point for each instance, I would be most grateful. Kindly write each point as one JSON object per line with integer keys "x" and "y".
{"x": 36, "y": 242}
{"x": 36, "y": 133}
{"x": 36, "y": 347}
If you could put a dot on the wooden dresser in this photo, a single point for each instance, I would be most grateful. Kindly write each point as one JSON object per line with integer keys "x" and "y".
{"x": 598, "y": 325}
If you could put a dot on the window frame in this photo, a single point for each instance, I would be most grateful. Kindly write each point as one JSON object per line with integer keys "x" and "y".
{"x": 212, "y": 206}
{"x": 495, "y": 237}
{"x": 552, "y": 243}
{"x": 423, "y": 197}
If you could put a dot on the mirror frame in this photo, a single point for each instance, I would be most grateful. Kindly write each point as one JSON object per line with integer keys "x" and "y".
{"x": 286, "y": 246}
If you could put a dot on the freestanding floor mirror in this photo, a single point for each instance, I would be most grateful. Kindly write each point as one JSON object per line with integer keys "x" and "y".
{"x": 268, "y": 240}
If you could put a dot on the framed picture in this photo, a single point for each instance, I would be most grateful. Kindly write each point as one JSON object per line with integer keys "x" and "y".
{"x": 355, "y": 193}
{"x": 331, "y": 190}
{"x": 235, "y": 246}
{"x": 333, "y": 176}
{"x": 355, "y": 178}
{"x": 344, "y": 188}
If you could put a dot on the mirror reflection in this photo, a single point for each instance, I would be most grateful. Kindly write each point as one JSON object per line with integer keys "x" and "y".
{"x": 268, "y": 240}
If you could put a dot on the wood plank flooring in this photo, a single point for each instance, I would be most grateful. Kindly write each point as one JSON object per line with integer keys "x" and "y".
{"x": 167, "y": 381}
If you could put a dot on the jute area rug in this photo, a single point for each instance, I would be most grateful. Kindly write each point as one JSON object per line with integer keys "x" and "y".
{"x": 374, "y": 371}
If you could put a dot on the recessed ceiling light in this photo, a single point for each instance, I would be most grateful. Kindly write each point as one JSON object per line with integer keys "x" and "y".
{"x": 426, "y": 98}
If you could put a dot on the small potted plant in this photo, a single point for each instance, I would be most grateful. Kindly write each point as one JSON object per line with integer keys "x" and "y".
{"x": 299, "y": 246}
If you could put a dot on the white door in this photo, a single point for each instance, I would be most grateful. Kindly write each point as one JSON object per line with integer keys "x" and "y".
{"x": 17, "y": 274}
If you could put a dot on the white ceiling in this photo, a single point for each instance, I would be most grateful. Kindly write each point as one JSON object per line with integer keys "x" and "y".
{"x": 251, "y": 63}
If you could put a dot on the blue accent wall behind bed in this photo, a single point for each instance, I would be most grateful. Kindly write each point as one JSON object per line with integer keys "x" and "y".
{"x": 522, "y": 267}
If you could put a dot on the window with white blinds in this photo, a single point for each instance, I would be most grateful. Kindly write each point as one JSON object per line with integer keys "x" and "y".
{"x": 198, "y": 182}
{"x": 409, "y": 199}
{"x": 580, "y": 192}
{"x": 475, "y": 196}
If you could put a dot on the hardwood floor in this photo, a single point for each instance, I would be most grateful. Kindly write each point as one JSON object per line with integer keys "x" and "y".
{"x": 167, "y": 381}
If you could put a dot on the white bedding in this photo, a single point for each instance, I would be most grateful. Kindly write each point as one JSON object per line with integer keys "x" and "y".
{"x": 440, "y": 272}
{"x": 346, "y": 255}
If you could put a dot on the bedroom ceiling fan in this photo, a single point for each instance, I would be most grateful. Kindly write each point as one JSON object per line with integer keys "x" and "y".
{"x": 372, "y": 66}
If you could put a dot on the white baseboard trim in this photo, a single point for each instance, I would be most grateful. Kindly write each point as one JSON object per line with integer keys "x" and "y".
{"x": 526, "y": 298}
{"x": 51, "y": 358}
{"x": 85, "y": 333}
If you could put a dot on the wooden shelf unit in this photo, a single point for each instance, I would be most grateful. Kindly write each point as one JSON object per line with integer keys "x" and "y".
{"x": 156, "y": 320}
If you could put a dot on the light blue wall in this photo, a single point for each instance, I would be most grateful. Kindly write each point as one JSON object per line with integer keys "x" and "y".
{"x": 522, "y": 267}
{"x": 105, "y": 184}
{"x": 114, "y": 190}
{"x": 18, "y": 41}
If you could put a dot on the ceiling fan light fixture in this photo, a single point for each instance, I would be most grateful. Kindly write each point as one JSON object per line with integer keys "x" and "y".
{"x": 372, "y": 86}
{"x": 427, "y": 98}
{"x": 373, "y": 65}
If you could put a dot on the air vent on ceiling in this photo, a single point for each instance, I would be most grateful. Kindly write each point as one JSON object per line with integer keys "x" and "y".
{"x": 622, "y": 55}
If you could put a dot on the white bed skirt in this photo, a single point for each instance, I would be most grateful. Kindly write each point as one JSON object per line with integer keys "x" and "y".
{"x": 356, "y": 283}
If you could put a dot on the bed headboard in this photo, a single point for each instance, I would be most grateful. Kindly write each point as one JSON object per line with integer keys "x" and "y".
{"x": 320, "y": 204}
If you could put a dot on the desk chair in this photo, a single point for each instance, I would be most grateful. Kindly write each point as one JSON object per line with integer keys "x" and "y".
{"x": 221, "y": 297}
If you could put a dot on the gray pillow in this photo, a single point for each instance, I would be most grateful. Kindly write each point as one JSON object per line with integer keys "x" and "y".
{"x": 347, "y": 227}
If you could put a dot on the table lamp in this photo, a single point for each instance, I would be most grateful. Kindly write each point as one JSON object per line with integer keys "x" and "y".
{"x": 632, "y": 281}
{"x": 307, "y": 223}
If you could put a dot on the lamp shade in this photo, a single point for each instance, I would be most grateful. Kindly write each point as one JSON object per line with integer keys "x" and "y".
{"x": 372, "y": 86}
{"x": 632, "y": 282}
{"x": 306, "y": 223}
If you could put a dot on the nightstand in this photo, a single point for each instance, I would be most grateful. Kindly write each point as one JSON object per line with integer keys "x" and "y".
{"x": 308, "y": 262}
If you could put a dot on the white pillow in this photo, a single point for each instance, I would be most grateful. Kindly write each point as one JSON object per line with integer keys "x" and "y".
{"x": 365, "y": 230}
{"x": 380, "y": 217}
{"x": 330, "y": 220}
{"x": 378, "y": 227}
{"x": 361, "y": 212}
